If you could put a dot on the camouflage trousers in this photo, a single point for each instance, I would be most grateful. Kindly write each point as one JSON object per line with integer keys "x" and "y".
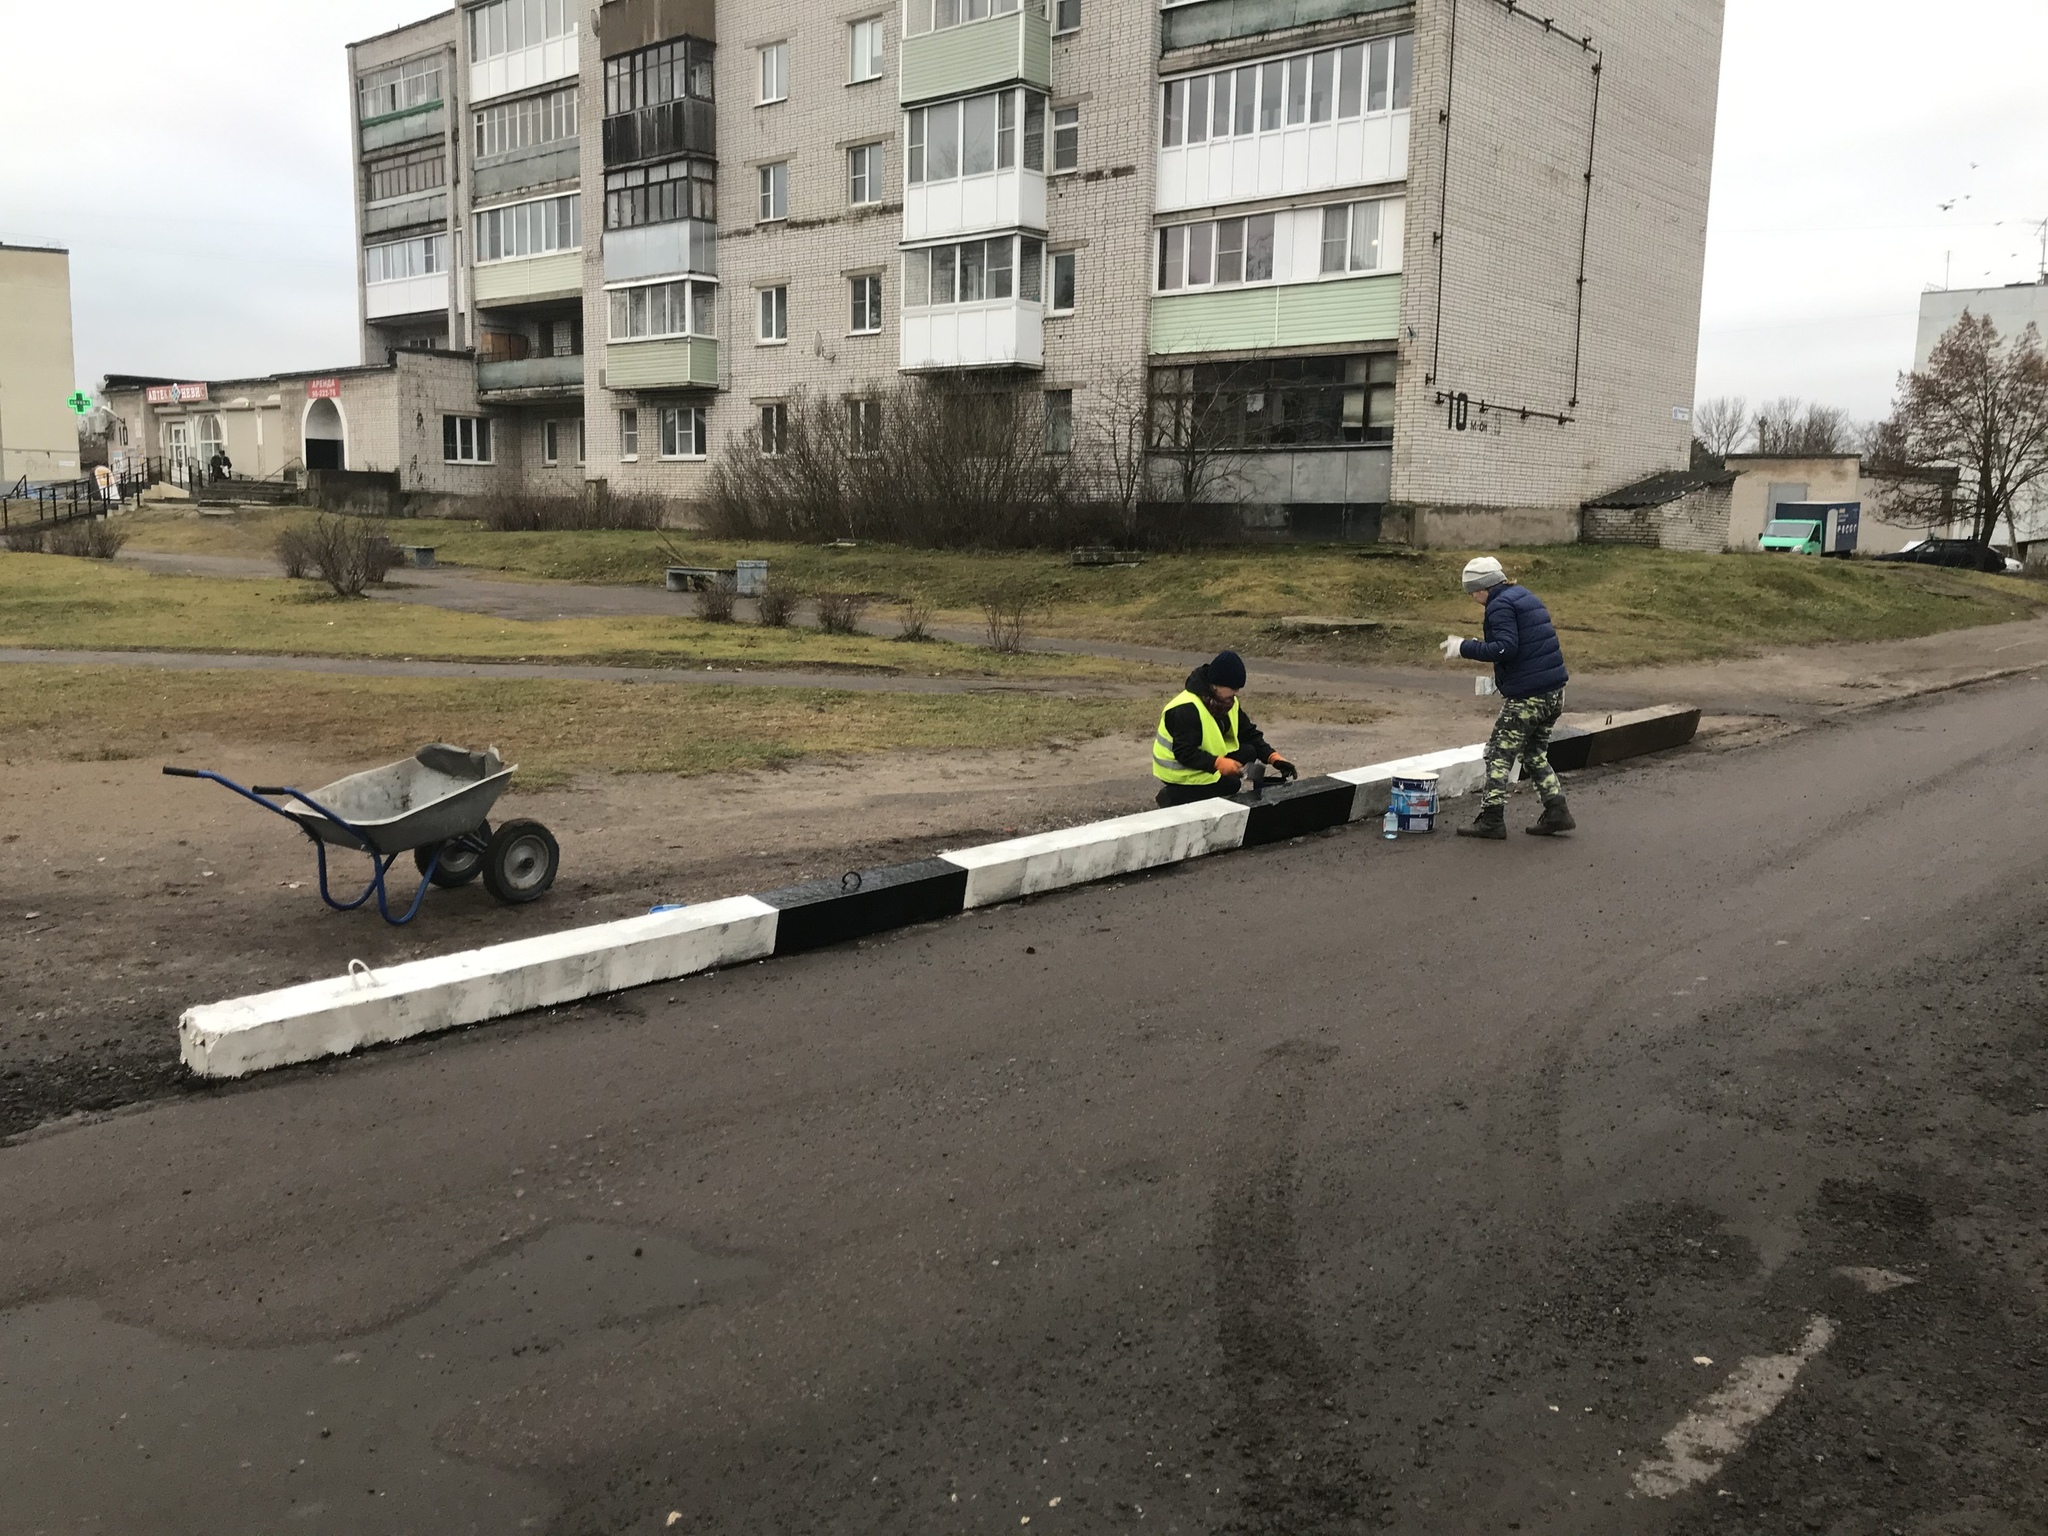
{"x": 1523, "y": 731}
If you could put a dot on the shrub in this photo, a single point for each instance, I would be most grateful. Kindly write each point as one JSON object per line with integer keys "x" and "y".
{"x": 917, "y": 617}
{"x": 839, "y": 613}
{"x": 515, "y": 513}
{"x": 776, "y": 605}
{"x": 1006, "y": 609}
{"x": 715, "y": 602}
{"x": 348, "y": 553}
{"x": 25, "y": 541}
{"x": 294, "y": 553}
{"x": 94, "y": 538}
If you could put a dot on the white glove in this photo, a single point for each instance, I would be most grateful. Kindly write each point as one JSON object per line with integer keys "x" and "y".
{"x": 1450, "y": 647}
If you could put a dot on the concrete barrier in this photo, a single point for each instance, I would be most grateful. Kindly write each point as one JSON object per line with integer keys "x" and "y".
{"x": 345, "y": 1013}
{"x": 341, "y": 1014}
{"x": 1026, "y": 866}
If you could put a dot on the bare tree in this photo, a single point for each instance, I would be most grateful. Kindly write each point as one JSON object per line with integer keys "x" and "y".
{"x": 1721, "y": 424}
{"x": 1197, "y": 467}
{"x": 1117, "y": 450}
{"x": 1794, "y": 429}
{"x": 1980, "y": 406}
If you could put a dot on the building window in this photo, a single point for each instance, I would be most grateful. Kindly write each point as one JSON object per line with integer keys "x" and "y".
{"x": 864, "y": 426}
{"x": 974, "y": 137}
{"x": 1066, "y": 15}
{"x": 507, "y": 26}
{"x": 774, "y": 191}
{"x": 1062, "y": 283}
{"x": 1361, "y": 80}
{"x": 674, "y": 308}
{"x": 774, "y": 314}
{"x": 1066, "y": 138}
{"x": 922, "y": 16}
{"x": 682, "y": 432}
{"x": 399, "y": 88}
{"x": 1351, "y": 238}
{"x": 774, "y": 427}
{"x": 1221, "y": 254}
{"x": 1059, "y": 421}
{"x": 1272, "y": 402}
{"x": 660, "y": 194}
{"x": 405, "y": 175}
{"x": 550, "y": 443}
{"x": 405, "y": 258}
{"x": 867, "y": 49}
{"x": 579, "y": 439}
{"x": 529, "y": 229}
{"x": 867, "y": 303}
{"x": 466, "y": 439}
{"x": 666, "y": 72}
{"x": 775, "y": 72}
{"x": 525, "y": 124}
{"x": 864, "y": 173}
{"x": 974, "y": 272}
{"x": 629, "y": 435}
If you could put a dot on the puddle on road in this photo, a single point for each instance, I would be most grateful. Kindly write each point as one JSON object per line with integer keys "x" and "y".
{"x": 112, "y": 1427}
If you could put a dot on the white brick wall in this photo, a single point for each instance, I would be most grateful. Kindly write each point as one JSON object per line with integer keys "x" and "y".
{"x": 1512, "y": 220}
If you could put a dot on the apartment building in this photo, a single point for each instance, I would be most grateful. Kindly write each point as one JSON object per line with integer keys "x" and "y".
{"x": 1428, "y": 269}
{"x": 38, "y": 431}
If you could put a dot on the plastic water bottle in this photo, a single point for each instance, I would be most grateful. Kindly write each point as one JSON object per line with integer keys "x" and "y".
{"x": 1391, "y": 827}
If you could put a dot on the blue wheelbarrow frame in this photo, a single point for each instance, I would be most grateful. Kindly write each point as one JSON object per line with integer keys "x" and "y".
{"x": 437, "y": 799}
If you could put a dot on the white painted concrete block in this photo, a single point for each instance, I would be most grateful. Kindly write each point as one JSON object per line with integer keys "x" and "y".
{"x": 1025, "y": 866}
{"x": 1458, "y": 770}
{"x": 341, "y": 1014}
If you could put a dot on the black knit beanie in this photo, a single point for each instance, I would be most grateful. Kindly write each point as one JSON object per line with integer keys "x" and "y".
{"x": 1227, "y": 670}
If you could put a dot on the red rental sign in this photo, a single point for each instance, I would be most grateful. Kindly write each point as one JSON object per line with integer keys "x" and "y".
{"x": 323, "y": 389}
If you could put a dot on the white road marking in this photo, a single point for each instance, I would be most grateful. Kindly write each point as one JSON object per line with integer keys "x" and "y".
{"x": 1875, "y": 1281}
{"x": 1717, "y": 1429}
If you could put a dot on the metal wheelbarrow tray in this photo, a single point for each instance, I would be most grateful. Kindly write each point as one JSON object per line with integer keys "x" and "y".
{"x": 432, "y": 805}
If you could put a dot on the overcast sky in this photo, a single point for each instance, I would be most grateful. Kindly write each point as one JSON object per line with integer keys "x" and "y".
{"x": 195, "y": 157}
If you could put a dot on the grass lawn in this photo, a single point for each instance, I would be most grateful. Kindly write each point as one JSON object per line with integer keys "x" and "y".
{"x": 65, "y": 603}
{"x": 553, "y": 730}
{"x": 1617, "y": 606}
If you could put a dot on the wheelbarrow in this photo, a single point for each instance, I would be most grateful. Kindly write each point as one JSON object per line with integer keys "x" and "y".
{"x": 432, "y": 805}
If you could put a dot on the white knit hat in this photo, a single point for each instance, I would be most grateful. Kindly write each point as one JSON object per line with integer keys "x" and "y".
{"x": 1483, "y": 573}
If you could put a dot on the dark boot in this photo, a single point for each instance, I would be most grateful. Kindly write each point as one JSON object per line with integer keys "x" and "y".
{"x": 1492, "y": 824}
{"x": 1556, "y": 818}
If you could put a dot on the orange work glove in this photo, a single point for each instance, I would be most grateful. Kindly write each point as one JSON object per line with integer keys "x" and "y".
{"x": 1229, "y": 767}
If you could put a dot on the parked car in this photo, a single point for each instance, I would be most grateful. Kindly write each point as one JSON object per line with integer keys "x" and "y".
{"x": 1958, "y": 554}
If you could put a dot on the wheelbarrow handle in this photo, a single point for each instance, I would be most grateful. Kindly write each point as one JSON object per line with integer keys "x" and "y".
{"x": 183, "y": 773}
{"x": 270, "y": 789}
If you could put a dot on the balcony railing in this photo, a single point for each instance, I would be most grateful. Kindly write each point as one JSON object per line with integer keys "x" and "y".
{"x": 531, "y": 373}
{"x": 686, "y": 127}
{"x": 1215, "y": 21}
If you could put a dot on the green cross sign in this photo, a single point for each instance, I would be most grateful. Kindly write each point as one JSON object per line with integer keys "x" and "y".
{"x": 80, "y": 401}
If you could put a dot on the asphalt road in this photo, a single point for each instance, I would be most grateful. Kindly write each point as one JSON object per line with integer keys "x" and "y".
{"x": 1434, "y": 1187}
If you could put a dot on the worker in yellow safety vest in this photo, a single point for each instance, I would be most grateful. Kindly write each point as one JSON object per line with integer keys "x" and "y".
{"x": 1205, "y": 737}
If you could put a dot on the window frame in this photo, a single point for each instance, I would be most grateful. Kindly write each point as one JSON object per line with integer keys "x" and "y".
{"x": 772, "y": 179}
{"x": 875, "y": 27}
{"x": 694, "y": 296}
{"x": 1053, "y": 261}
{"x": 1062, "y": 9}
{"x": 558, "y": 108}
{"x": 670, "y": 424}
{"x": 550, "y": 443}
{"x": 558, "y": 20}
{"x": 771, "y": 307}
{"x": 1284, "y": 83}
{"x": 1018, "y": 269}
{"x": 773, "y": 73}
{"x": 864, "y": 293}
{"x": 1176, "y": 244}
{"x": 401, "y": 82}
{"x": 431, "y": 158}
{"x": 1018, "y": 129}
{"x": 433, "y": 246}
{"x": 629, "y": 434}
{"x": 572, "y": 219}
{"x": 637, "y": 191}
{"x": 771, "y": 436}
{"x": 1056, "y": 433}
{"x": 466, "y": 439}
{"x": 865, "y": 167}
{"x": 1070, "y": 131}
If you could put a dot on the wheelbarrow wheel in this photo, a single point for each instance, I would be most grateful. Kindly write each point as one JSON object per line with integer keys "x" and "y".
{"x": 521, "y": 863}
{"x": 460, "y": 862}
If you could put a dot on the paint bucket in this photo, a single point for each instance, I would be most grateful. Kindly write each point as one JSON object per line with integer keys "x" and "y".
{"x": 1412, "y": 798}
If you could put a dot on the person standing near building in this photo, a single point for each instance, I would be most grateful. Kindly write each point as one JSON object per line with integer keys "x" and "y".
{"x": 1529, "y": 671}
{"x": 1205, "y": 737}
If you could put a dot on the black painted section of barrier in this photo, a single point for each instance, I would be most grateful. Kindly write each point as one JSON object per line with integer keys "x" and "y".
{"x": 866, "y": 901}
{"x": 1294, "y": 810}
{"x": 1573, "y": 747}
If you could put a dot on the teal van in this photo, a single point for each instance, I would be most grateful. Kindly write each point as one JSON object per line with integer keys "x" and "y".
{"x": 1812, "y": 528}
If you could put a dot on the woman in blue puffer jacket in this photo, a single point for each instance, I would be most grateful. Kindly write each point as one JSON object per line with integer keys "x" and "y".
{"x": 1528, "y": 669}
